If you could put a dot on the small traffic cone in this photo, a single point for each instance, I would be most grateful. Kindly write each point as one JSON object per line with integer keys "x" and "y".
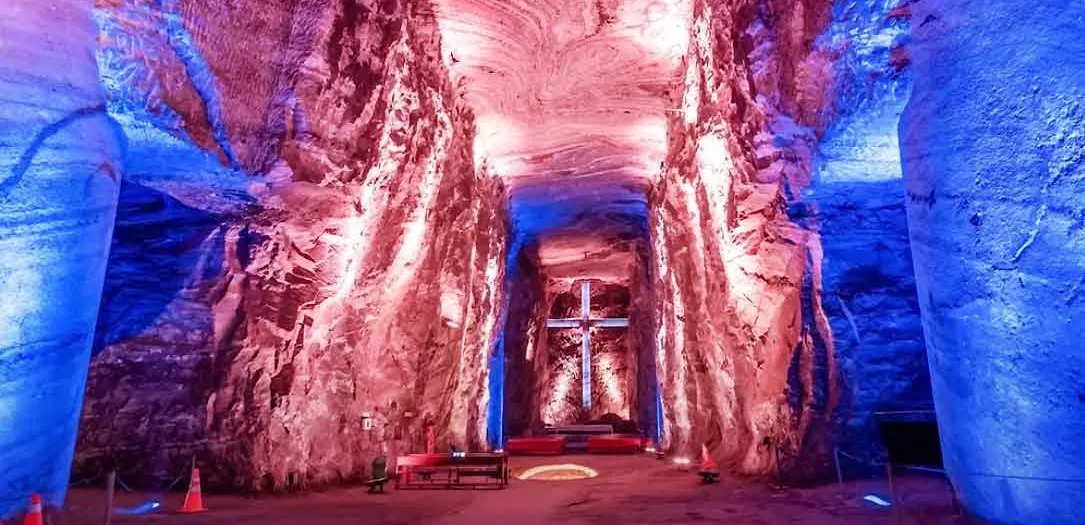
{"x": 194, "y": 498}
{"x": 33, "y": 515}
{"x": 707, "y": 464}
{"x": 708, "y": 471}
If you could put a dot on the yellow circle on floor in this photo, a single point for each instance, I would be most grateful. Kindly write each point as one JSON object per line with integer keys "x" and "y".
{"x": 562, "y": 472}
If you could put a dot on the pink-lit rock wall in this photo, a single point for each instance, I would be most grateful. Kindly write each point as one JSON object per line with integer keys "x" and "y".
{"x": 305, "y": 246}
{"x": 747, "y": 352}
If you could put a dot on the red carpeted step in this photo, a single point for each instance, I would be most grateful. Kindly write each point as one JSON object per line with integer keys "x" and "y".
{"x": 615, "y": 444}
{"x": 536, "y": 446}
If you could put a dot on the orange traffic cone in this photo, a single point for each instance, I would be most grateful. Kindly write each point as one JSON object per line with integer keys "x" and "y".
{"x": 707, "y": 464}
{"x": 33, "y": 516}
{"x": 194, "y": 498}
{"x": 708, "y": 471}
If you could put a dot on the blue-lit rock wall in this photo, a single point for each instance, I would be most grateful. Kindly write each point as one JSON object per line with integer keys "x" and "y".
{"x": 524, "y": 320}
{"x": 59, "y": 177}
{"x": 857, "y": 197}
{"x": 993, "y": 143}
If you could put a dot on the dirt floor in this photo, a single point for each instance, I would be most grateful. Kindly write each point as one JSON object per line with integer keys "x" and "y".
{"x": 628, "y": 490}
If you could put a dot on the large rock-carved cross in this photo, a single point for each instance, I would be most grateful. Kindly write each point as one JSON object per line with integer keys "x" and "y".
{"x": 585, "y": 322}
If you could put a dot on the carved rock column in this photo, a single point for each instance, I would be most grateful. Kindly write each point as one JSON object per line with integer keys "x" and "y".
{"x": 59, "y": 176}
{"x": 993, "y": 143}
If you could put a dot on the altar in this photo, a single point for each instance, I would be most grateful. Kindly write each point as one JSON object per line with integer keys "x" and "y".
{"x": 607, "y": 435}
{"x": 587, "y": 385}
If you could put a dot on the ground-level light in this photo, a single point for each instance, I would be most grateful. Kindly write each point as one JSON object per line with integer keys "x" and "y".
{"x": 562, "y": 472}
{"x": 877, "y": 500}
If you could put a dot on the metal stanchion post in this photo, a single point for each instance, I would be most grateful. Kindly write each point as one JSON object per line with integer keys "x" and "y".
{"x": 893, "y": 493}
{"x": 779, "y": 467}
{"x": 110, "y": 482}
{"x": 953, "y": 497}
{"x": 836, "y": 462}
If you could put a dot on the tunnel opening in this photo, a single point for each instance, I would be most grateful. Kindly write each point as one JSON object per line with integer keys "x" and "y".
{"x": 577, "y": 345}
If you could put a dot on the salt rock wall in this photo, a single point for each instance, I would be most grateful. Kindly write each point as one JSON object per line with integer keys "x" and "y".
{"x": 745, "y": 355}
{"x": 307, "y": 264}
{"x": 59, "y": 173}
{"x": 743, "y": 220}
{"x": 646, "y": 407}
{"x": 857, "y": 195}
{"x": 523, "y": 333}
{"x": 613, "y": 357}
{"x": 993, "y": 142}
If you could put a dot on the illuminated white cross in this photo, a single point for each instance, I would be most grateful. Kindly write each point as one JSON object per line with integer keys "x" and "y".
{"x": 585, "y": 322}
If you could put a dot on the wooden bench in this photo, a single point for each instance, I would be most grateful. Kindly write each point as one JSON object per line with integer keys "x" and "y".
{"x": 456, "y": 470}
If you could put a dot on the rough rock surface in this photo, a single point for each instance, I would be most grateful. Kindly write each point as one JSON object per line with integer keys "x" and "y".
{"x": 520, "y": 344}
{"x": 994, "y": 155}
{"x": 857, "y": 193}
{"x": 755, "y": 237}
{"x": 774, "y": 231}
{"x": 59, "y": 174}
{"x": 307, "y": 263}
{"x": 312, "y": 236}
{"x": 745, "y": 355}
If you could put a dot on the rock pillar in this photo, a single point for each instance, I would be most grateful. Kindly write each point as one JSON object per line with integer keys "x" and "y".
{"x": 993, "y": 144}
{"x": 58, "y": 193}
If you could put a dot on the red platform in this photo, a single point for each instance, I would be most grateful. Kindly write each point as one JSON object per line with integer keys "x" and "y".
{"x": 615, "y": 444}
{"x": 536, "y": 446}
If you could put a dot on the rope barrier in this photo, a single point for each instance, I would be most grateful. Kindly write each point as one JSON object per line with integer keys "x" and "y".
{"x": 121, "y": 483}
{"x": 85, "y": 481}
{"x": 860, "y": 460}
{"x": 175, "y": 480}
{"x": 902, "y": 412}
{"x": 919, "y": 468}
{"x": 1024, "y": 478}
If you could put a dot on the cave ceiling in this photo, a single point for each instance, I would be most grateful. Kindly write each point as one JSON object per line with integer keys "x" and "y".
{"x": 571, "y": 98}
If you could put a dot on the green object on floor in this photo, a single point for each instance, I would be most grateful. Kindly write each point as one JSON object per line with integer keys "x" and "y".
{"x": 379, "y": 468}
{"x": 379, "y": 475}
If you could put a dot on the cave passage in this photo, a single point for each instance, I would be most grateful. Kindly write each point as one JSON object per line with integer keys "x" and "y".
{"x": 584, "y": 270}
{"x": 281, "y": 241}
